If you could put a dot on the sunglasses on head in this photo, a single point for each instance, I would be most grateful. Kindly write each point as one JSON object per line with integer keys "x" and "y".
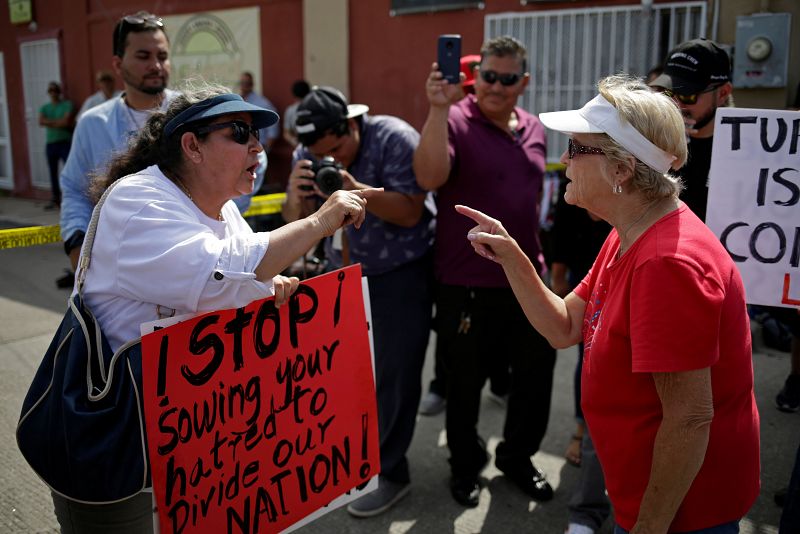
{"x": 490, "y": 76}
{"x": 138, "y": 20}
{"x": 240, "y": 129}
{"x": 687, "y": 99}
{"x": 574, "y": 147}
{"x": 128, "y": 22}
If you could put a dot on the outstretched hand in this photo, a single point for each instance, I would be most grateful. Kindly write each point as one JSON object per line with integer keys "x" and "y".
{"x": 343, "y": 208}
{"x": 489, "y": 239}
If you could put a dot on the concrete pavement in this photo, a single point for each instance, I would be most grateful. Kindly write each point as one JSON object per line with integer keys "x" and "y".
{"x": 25, "y": 212}
{"x": 31, "y": 307}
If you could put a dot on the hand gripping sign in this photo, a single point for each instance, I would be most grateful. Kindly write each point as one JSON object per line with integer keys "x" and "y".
{"x": 754, "y": 200}
{"x": 259, "y": 416}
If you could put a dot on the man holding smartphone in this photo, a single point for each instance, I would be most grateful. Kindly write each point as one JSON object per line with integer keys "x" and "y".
{"x": 486, "y": 152}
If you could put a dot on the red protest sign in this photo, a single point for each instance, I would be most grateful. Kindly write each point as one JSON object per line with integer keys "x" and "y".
{"x": 258, "y": 416}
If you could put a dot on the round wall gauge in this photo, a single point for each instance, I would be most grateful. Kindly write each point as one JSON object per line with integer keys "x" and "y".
{"x": 759, "y": 48}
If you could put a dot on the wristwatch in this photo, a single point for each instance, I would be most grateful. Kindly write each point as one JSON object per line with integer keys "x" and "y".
{"x": 74, "y": 241}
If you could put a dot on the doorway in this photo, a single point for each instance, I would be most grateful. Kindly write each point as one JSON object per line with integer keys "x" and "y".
{"x": 6, "y": 164}
{"x": 40, "y": 66}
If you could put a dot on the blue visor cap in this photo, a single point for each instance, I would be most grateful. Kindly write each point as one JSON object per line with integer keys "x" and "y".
{"x": 221, "y": 105}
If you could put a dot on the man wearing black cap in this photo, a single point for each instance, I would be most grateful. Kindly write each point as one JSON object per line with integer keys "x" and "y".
{"x": 392, "y": 247}
{"x": 697, "y": 75}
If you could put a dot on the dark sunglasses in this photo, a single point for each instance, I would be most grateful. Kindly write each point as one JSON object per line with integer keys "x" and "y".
{"x": 241, "y": 130}
{"x": 573, "y": 147}
{"x": 490, "y": 76}
{"x": 687, "y": 99}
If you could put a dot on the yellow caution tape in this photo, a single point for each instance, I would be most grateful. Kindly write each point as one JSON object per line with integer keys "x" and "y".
{"x": 266, "y": 204}
{"x": 42, "y": 235}
{"x": 555, "y": 167}
{"x": 25, "y": 237}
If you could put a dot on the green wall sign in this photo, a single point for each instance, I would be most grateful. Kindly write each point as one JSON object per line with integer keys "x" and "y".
{"x": 21, "y": 11}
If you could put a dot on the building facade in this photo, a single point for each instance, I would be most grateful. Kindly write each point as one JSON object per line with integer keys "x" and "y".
{"x": 377, "y": 51}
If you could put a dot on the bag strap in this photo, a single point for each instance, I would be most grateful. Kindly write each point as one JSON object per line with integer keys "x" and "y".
{"x": 88, "y": 242}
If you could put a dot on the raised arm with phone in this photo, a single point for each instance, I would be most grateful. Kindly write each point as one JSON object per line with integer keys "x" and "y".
{"x": 448, "y": 57}
{"x": 500, "y": 150}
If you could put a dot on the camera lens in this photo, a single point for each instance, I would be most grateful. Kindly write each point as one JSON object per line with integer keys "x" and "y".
{"x": 449, "y": 45}
{"x": 328, "y": 180}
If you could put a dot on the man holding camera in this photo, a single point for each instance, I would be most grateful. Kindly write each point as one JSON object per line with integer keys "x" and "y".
{"x": 486, "y": 152}
{"x": 343, "y": 147}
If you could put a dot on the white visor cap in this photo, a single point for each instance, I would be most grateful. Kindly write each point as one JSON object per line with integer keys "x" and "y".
{"x": 600, "y": 116}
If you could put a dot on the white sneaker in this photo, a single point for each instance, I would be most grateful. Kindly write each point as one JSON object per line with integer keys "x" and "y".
{"x": 432, "y": 404}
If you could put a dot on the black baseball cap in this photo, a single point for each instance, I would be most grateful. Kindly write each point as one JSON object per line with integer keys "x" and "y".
{"x": 323, "y": 108}
{"x": 694, "y": 65}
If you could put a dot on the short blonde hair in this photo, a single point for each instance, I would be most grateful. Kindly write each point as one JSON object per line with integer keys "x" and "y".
{"x": 657, "y": 118}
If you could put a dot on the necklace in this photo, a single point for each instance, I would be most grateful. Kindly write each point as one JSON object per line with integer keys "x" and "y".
{"x": 624, "y": 233}
{"x": 179, "y": 182}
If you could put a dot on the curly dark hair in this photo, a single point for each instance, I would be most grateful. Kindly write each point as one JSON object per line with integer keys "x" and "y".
{"x": 150, "y": 146}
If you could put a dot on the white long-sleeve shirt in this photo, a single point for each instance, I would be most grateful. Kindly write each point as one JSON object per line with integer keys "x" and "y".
{"x": 155, "y": 247}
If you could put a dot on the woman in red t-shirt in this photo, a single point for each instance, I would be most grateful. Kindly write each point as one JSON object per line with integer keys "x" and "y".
{"x": 667, "y": 379}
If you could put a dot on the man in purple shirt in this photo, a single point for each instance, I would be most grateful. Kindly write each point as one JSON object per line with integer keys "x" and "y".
{"x": 393, "y": 246}
{"x": 485, "y": 151}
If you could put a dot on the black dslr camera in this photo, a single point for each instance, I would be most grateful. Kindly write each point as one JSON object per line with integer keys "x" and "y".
{"x": 326, "y": 175}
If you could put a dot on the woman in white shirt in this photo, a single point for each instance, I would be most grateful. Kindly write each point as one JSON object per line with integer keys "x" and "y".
{"x": 170, "y": 240}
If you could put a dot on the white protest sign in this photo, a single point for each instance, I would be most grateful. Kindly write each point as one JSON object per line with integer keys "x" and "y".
{"x": 754, "y": 189}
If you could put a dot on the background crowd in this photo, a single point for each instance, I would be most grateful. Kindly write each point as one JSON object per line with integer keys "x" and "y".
{"x": 478, "y": 148}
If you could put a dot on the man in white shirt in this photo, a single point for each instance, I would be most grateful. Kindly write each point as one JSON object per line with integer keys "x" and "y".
{"x": 105, "y": 90}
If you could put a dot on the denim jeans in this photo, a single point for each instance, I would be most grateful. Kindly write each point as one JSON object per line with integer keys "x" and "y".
{"x": 588, "y": 504}
{"x": 726, "y": 528}
{"x": 401, "y": 303}
{"x": 58, "y": 151}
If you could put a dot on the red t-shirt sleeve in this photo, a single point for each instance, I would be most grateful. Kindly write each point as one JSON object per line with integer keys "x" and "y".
{"x": 675, "y": 314}
{"x": 582, "y": 289}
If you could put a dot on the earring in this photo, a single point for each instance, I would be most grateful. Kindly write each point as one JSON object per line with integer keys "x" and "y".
{"x": 616, "y": 189}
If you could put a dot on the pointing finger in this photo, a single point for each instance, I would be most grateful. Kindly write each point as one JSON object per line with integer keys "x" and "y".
{"x": 475, "y": 215}
{"x": 367, "y": 193}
